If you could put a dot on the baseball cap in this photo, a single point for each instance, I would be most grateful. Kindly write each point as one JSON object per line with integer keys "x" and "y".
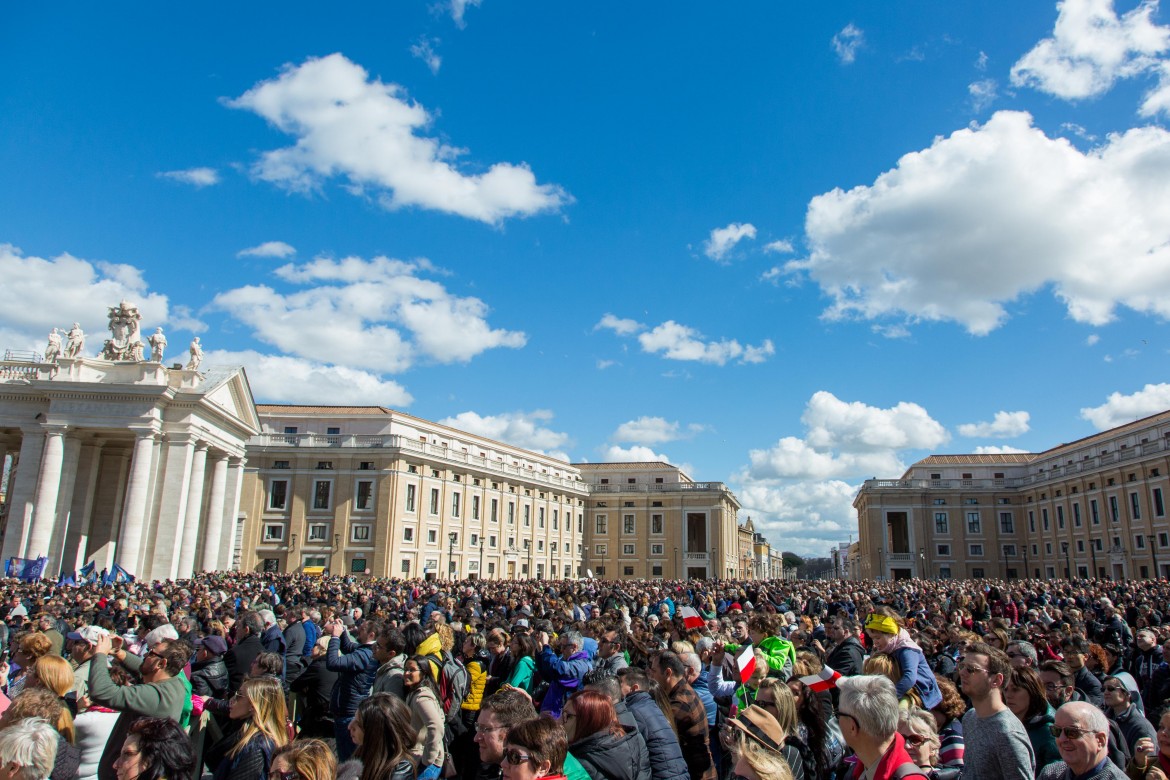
{"x": 88, "y": 634}
{"x": 212, "y": 644}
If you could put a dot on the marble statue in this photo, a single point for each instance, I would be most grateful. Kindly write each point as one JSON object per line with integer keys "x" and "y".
{"x": 196, "y": 350}
{"x": 126, "y": 341}
{"x": 53, "y": 350}
{"x": 76, "y": 341}
{"x": 158, "y": 345}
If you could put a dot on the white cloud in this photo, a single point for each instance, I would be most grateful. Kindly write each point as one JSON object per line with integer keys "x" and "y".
{"x": 55, "y": 292}
{"x": 781, "y": 247}
{"x": 459, "y": 8}
{"x": 847, "y": 42}
{"x": 182, "y": 318}
{"x": 604, "y": 364}
{"x": 992, "y": 213}
{"x": 196, "y": 177}
{"x": 983, "y": 93}
{"x": 369, "y": 314}
{"x": 268, "y": 249}
{"x": 284, "y": 379}
{"x": 724, "y": 239}
{"x": 806, "y": 518}
{"x": 1092, "y": 47}
{"x": 998, "y": 450}
{"x": 424, "y": 49}
{"x": 1004, "y": 426}
{"x": 680, "y": 342}
{"x": 654, "y": 430}
{"x": 1119, "y": 409}
{"x": 1092, "y": 339}
{"x": 622, "y": 327}
{"x": 635, "y": 454}
{"x": 981, "y": 61}
{"x": 520, "y": 429}
{"x": 367, "y": 132}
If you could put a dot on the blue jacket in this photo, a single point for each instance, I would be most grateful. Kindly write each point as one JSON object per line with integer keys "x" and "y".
{"x": 916, "y": 673}
{"x": 563, "y": 677}
{"x": 704, "y": 693}
{"x": 356, "y": 670}
{"x": 312, "y": 634}
{"x": 666, "y": 758}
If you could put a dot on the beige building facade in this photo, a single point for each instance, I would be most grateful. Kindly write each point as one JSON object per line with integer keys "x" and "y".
{"x": 1095, "y": 507}
{"x": 651, "y": 520}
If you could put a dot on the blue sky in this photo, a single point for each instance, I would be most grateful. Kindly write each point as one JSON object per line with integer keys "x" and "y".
{"x": 788, "y": 248}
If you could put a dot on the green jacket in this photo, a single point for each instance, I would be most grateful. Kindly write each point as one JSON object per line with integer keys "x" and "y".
{"x": 781, "y": 655}
{"x": 573, "y": 769}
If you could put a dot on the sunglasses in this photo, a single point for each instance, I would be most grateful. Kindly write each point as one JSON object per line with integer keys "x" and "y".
{"x": 516, "y": 757}
{"x": 914, "y": 740}
{"x": 1068, "y": 731}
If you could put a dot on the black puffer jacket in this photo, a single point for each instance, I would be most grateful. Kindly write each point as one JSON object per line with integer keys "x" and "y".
{"x": 352, "y": 770}
{"x": 606, "y": 757}
{"x": 666, "y": 758}
{"x": 210, "y": 678}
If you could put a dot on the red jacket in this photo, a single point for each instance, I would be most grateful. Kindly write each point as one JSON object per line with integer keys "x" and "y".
{"x": 887, "y": 768}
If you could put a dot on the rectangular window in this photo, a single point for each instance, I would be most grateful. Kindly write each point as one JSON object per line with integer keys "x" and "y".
{"x": 511, "y": 512}
{"x": 1139, "y": 541}
{"x": 974, "y": 526}
{"x": 628, "y": 571}
{"x": 1031, "y": 521}
{"x": 358, "y": 566}
{"x": 627, "y": 524}
{"x": 1159, "y": 506}
{"x": 975, "y": 550}
{"x": 321, "y": 490}
{"x": 408, "y": 534}
{"x": 655, "y": 524}
{"x": 1163, "y": 539}
{"x": 363, "y": 500}
{"x": 600, "y": 549}
{"x": 410, "y": 498}
{"x": 1048, "y": 548}
{"x": 406, "y": 566}
{"x": 1044, "y": 518}
{"x": 656, "y": 549}
{"x": 280, "y": 464}
{"x": 656, "y": 571}
{"x": 1135, "y": 507}
{"x": 977, "y": 573}
{"x": 940, "y": 502}
{"x": 602, "y": 525}
{"x": 1114, "y": 513}
{"x": 1009, "y": 551}
{"x": 361, "y": 533}
{"x": 527, "y": 516}
{"x": 455, "y": 498}
{"x": 434, "y": 501}
{"x": 1094, "y": 513}
{"x": 944, "y": 551}
{"x": 1080, "y": 545}
{"x": 318, "y": 532}
{"x": 325, "y": 465}
{"x": 540, "y": 517}
{"x": 1007, "y": 524}
{"x": 492, "y": 540}
{"x": 1076, "y": 515}
{"x": 556, "y": 521}
{"x": 432, "y": 536}
{"x": 1060, "y": 517}
{"x": 627, "y": 549}
{"x": 274, "y": 532}
{"x": 941, "y": 526}
{"x": 278, "y": 494}
{"x": 580, "y": 523}
{"x": 475, "y": 507}
{"x": 366, "y": 465}
{"x": 540, "y": 545}
{"x": 944, "y": 572}
{"x": 314, "y": 560}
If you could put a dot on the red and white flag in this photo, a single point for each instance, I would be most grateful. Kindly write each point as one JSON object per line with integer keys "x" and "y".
{"x": 745, "y": 661}
{"x": 826, "y": 679}
{"x": 691, "y": 618}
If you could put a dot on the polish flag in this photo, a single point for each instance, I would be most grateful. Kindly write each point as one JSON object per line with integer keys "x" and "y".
{"x": 826, "y": 679}
{"x": 745, "y": 661}
{"x": 691, "y": 618}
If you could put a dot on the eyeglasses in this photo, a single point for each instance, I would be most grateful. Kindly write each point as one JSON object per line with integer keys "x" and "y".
{"x": 914, "y": 740}
{"x": 157, "y": 655}
{"x": 485, "y": 729}
{"x": 1112, "y": 688}
{"x": 516, "y": 757}
{"x": 1015, "y": 655}
{"x": 766, "y": 703}
{"x": 275, "y": 775}
{"x": 1068, "y": 731}
{"x": 969, "y": 669}
{"x": 851, "y": 717}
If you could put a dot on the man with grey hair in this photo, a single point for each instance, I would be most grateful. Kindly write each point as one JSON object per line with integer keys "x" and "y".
{"x": 563, "y": 672}
{"x": 868, "y": 716}
{"x": 1022, "y": 654}
{"x": 1082, "y": 737}
{"x": 28, "y": 749}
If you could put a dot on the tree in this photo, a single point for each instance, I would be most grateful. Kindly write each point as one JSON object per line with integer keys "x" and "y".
{"x": 791, "y": 560}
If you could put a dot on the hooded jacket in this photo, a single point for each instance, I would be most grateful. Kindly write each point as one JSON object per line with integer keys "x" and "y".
{"x": 666, "y": 758}
{"x": 355, "y": 669}
{"x": 606, "y": 757}
{"x": 563, "y": 677}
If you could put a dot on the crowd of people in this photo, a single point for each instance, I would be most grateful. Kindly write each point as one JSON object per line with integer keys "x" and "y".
{"x": 248, "y": 676}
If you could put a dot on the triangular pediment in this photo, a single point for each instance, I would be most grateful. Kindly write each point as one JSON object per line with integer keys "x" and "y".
{"x": 229, "y": 392}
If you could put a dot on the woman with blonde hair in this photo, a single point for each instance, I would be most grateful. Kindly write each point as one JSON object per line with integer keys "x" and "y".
{"x": 247, "y": 754}
{"x": 305, "y": 759}
{"x": 920, "y": 735}
{"x": 29, "y": 648}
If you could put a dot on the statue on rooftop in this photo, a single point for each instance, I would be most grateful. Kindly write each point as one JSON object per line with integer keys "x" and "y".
{"x": 76, "y": 341}
{"x": 126, "y": 341}
{"x": 158, "y": 345}
{"x": 53, "y": 349}
{"x": 196, "y": 350}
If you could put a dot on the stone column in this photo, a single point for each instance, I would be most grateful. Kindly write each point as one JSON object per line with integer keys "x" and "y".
{"x": 231, "y": 511}
{"x": 190, "y": 540}
{"x": 81, "y": 513}
{"x": 179, "y": 454}
{"x": 214, "y": 528}
{"x": 134, "y": 511}
{"x": 48, "y": 490}
{"x": 64, "y": 506}
{"x": 107, "y": 550}
{"x": 23, "y": 491}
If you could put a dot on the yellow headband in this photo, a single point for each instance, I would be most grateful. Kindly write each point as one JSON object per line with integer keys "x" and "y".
{"x": 883, "y": 623}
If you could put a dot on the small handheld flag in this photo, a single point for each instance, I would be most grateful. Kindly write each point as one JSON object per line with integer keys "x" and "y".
{"x": 827, "y": 678}
{"x": 745, "y": 661}
{"x": 691, "y": 618}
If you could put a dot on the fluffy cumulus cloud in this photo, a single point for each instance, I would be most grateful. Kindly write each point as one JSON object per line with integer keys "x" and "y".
{"x": 724, "y": 239}
{"x": 424, "y": 49}
{"x": 55, "y": 292}
{"x": 277, "y": 249}
{"x": 681, "y": 342}
{"x": 378, "y": 314}
{"x": 801, "y": 490}
{"x": 369, "y": 133}
{"x": 847, "y": 42}
{"x": 998, "y": 450}
{"x": 654, "y": 430}
{"x": 635, "y": 454}
{"x": 994, "y": 212}
{"x": 520, "y": 429}
{"x": 780, "y": 247}
{"x": 1004, "y": 426}
{"x": 1091, "y": 48}
{"x": 196, "y": 177}
{"x": 1119, "y": 409}
{"x": 458, "y": 8}
{"x": 285, "y": 379}
{"x": 983, "y": 93}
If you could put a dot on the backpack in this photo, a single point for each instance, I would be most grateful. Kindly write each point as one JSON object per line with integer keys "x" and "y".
{"x": 454, "y": 682}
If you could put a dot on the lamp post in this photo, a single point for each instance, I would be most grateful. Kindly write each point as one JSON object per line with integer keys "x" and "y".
{"x": 922, "y": 562}
{"x": 1025, "y": 561}
{"x": 451, "y": 556}
{"x": 1154, "y": 553}
{"x": 1067, "y": 563}
{"x": 881, "y": 575}
{"x": 481, "y": 557}
{"x": 1093, "y": 554}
